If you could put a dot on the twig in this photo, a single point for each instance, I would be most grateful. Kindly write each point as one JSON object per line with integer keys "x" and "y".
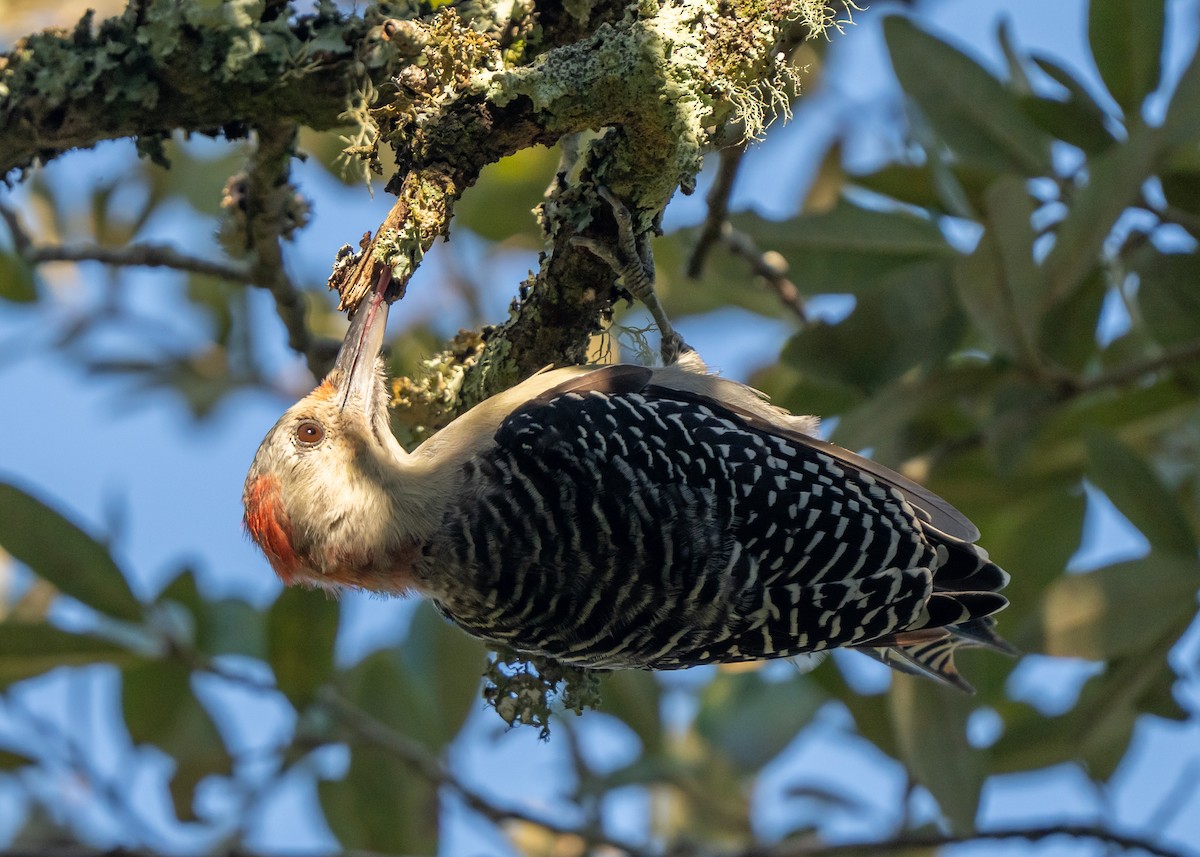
{"x": 770, "y": 266}
{"x": 133, "y": 255}
{"x": 718, "y": 208}
{"x": 1136, "y": 369}
{"x": 419, "y": 758}
{"x": 269, "y": 209}
{"x": 137, "y": 255}
{"x": 1124, "y": 841}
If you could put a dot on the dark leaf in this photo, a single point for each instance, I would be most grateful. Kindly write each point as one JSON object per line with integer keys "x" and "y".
{"x": 1181, "y": 187}
{"x": 1168, "y": 296}
{"x": 384, "y": 805}
{"x": 634, "y": 698}
{"x": 160, "y": 709}
{"x": 301, "y": 630}
{"x": 1078, "y": 120}
{"x": 931, "y": 727}
{"x": 849, "y": 249}
{"x": 1182, "y": 122}
{"x": 1068, "y": 121}
{"x": 1126, "y": 37}
{"x": 1115, "y": 180}
{"x": 1120, "y": 609}
{"x": 1137, "y": 491}
{"x": 17, "y": 282}
{"x": 955, "y": 189}
{"x": 1067, "y": 333}
{"x": 910, "y": 321}
{"x": 749, "y": 720}
{"x": 381, "y": 806}
{"x": 448, "y": 664}
{"x": 228, "y": 626}
{"x": 29, "y": 649}
{"x": 916, "y": 412}
{"x": 999, "y": 284}
{"x": 11, "y": 760}
{"x": 728, "y": 280}
{"x": 969, "y": 109}
{"x": 500, "y": 205}
{"x": 63, "y": 554}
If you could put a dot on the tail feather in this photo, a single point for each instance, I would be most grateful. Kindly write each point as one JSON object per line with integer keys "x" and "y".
{"x": 932, "y": 659}
{"x": 958, "y": 615}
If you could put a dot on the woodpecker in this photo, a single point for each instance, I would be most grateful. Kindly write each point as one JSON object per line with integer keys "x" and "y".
{"x": 620, "y": 516}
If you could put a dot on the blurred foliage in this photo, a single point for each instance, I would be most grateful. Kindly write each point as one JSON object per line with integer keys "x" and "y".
{"x": 1026, "y": 323}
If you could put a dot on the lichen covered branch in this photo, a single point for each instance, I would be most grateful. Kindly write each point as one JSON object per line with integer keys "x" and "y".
{"x": 658, "y": 87}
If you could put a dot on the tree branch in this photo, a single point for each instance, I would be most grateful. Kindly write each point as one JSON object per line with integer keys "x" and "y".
{"x": 769, "y": 265}
{"x": 659, "y": 83}
{"x": 718, "y": 208}
{"x": 1135, "y": 370}
{"x": 165, "y": 66}
{"x": 1125, "y": 841}
{"x": 416, "y": 756}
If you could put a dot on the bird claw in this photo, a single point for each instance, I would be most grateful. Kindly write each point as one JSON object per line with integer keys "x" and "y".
{"x": 631, "y": 259}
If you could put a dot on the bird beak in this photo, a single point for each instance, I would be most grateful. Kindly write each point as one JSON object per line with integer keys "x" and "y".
{"x": 357, "y": 377}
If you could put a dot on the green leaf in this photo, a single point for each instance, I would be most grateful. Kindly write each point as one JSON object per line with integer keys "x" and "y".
{"x": 1067, "y": 334}
{"x": 931, "y": 730}
{"x": 634, "y": 697}
{"x": 29, "y": 649}
{"x": 448, "y": 664}
{"x": 12, "y": 760}
{"x": 750, "y": 720}
{"x": 1126, "y": 37}
{"x": 848, "y": 249}
{"x": 1168, "y": 297}
{"x": 969, "y": 109}
{"x": 17, "y": 282}
{"x": 1181, "y": 187}
{"x": 954, "y": 189}
{"x": 500, "y": 205}
{"x": 727, "y": 280}
{"x": 1115, "y": 180}
{"x": 910, "y": 321}
{"x": 381, "y": 806}
{"x": 1137, "y": 491}
{"x": 301, "y": 630}
{"x": 1182, "y": 122}
{"x": 999, "y": 284}
{"x": 1120, "y": 609}
{"x": 160, "y": 709}
{"x": 1078, "y": 120}
{"x": 228, "y": 626}
{"x": 60, "y": 552}
{"x": 916, "y": 412}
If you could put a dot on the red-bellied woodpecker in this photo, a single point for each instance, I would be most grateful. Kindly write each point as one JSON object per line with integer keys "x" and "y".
{"x": 620, "y": 517}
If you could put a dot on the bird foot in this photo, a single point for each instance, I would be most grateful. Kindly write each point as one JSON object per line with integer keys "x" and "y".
{"x": 632, "y": 260}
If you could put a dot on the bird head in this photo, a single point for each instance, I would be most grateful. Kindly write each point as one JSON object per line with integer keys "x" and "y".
{"x": 320, "y": 497}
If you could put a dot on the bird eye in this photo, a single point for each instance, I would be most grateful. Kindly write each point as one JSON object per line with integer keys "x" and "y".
{"x": 310, "y": 432}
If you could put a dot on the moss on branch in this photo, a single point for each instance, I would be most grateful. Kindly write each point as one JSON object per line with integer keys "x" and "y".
{"x": 165, "y": 65}
{"x": 662, "y": 84}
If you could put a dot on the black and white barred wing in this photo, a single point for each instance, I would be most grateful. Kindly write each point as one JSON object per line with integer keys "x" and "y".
{"x": 618, "y": 523}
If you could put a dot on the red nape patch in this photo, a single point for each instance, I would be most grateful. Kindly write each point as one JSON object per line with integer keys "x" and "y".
{"x": 269, "y": 527}
{"x": 325, "y": 391}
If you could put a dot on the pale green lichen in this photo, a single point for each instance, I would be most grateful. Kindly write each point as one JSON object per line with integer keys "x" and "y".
{"x": 525, "y": 690}
{"x": 449, "y": 57}
{"x": 399, "y": 249}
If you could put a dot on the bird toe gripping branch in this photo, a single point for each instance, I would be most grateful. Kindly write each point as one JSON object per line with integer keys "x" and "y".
{"x": 631, "y": 259}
